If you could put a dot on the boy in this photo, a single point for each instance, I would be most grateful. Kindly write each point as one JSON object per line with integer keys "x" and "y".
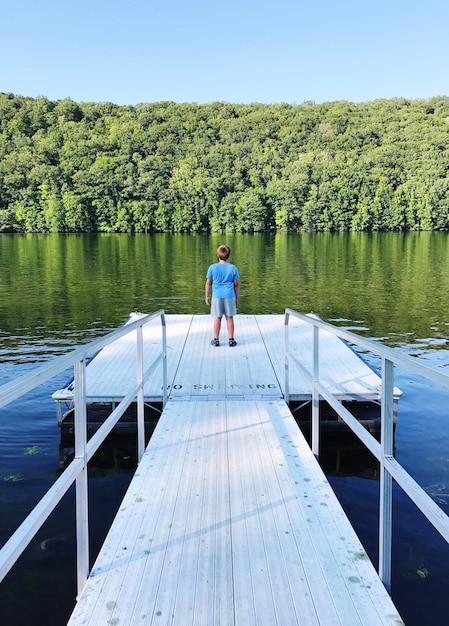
{"x": 223, "y": 279}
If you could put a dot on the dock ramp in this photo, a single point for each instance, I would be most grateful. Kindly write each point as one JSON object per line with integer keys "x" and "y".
{"x": 230, "y": 520}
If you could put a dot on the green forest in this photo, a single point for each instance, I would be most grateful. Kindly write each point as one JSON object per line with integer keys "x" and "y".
{"x": 222, "y": 167}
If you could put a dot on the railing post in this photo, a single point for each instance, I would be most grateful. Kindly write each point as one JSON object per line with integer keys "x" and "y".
{"x": 82, "y": 503}
{"x": 386, "y": 480}
{"x": 315, "y": 394}
{"x": 140, "y": 398}
{"x": 286, "y": 370}
{"x": 164, "y": 360}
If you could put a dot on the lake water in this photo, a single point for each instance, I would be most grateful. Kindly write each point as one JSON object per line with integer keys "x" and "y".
{"x": 57, "y": 291}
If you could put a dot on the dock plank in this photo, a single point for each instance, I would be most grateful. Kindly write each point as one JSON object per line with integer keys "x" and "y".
{"x": 258, "y": 554}
{"x": 230, "y": 520}
{"x": 142, "y": 526}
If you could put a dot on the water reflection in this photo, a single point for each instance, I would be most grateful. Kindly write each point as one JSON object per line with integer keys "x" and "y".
{"x": 377, "y": 283}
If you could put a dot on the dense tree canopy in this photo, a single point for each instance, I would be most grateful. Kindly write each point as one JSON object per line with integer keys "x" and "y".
{"x": 76, "y": 167}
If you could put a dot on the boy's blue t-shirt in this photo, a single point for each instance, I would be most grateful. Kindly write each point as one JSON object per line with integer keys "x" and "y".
{"x": 223, "y": 276}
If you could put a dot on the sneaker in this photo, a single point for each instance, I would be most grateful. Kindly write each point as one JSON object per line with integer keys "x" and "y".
{"x": 232, "y": 343}
{"x": 215, "y": 343}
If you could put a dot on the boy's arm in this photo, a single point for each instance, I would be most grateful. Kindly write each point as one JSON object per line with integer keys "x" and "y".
{"x": 207, "y": 289}
{"x": 236, "y": 290}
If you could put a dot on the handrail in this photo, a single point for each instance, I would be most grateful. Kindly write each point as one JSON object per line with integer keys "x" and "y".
{"x": 76, "y": 472}
{"x": 389, "y": 468}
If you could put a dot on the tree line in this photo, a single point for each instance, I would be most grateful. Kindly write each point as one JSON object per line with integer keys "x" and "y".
{"x": 183, "y": 167}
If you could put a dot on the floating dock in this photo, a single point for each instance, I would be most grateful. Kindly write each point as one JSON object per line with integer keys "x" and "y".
{"x": 229, "y": 519}
{"x": 255, "y": 369}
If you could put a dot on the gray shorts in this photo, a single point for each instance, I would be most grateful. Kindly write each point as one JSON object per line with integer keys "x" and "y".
{"x": 223, "y": 306}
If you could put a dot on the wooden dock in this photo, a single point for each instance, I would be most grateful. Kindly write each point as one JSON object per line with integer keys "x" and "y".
{"x": 229, "y": 518}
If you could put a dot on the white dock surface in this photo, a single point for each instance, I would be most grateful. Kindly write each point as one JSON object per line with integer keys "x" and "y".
{"x": 229, "y": 519}
{"x": 255, "y": 368}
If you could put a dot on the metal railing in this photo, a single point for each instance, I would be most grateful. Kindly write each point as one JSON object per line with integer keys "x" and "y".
{"x": 76, "y": 472}
{"x": 389, "y": 468}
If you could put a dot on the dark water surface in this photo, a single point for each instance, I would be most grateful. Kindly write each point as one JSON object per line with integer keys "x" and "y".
{"x": 57, "y": 291}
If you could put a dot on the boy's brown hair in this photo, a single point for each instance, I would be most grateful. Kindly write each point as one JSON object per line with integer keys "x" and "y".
{"x": 223, "y": 253}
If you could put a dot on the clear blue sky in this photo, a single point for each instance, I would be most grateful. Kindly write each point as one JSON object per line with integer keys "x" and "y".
{"x": 131, "y": 51}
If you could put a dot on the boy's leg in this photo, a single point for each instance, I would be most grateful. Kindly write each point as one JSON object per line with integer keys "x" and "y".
{"x": 230, "y": 325}
{"x": 217, "y": 326}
